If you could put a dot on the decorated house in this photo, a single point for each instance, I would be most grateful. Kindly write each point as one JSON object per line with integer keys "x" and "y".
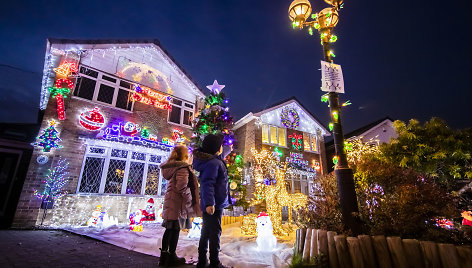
{"x": 113, "y": 109}
{"x": 293, "y": 134}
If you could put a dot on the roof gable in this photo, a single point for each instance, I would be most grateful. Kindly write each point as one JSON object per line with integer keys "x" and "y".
{"x": 122, "y": 58}
{"x": 308, "y": 123}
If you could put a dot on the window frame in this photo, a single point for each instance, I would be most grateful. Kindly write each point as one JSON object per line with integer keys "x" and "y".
{"x": 277, "y": 135}
{"x": 99, "y": 80}
{"x": 310, "y": 138}
{"x": 128, "y": 160}
{"x": 183, "y": 107}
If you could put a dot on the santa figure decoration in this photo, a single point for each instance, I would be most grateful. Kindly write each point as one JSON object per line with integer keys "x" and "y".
{"x": 149, "y": 212}
{"x": 93, "y": 221}
{"x": 467, "y": 215}
{"x": 136, "y": 221}
{"x": 196, "y": 230}
{"x": 266, "y": 241}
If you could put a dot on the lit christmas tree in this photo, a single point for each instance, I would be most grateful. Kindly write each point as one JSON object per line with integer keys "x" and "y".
{"x": 49, "y": 138}
{"x": 237, "y": 187}
{"x": 214, "y": 118}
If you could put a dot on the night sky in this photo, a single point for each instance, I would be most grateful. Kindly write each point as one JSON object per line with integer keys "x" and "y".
{"x": 402, "y": 59}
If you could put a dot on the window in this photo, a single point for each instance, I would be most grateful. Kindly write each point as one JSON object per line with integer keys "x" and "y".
{"x": 121, "y": 171}
{"x": 105, "y": 94}
{"x": 96, "y": 86}
{"x": 310, "y": 142}
{"x": 181, "y": 113}
{"x": 85, "y": 88}
{"x": 265, "y": 134}
{"x": 274, "y": 135}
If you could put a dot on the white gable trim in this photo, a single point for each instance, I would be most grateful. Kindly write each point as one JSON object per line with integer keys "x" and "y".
{"x": 246, "y": 119}
{"x": 324, "y": 131}
{"x": 388, "y": 121}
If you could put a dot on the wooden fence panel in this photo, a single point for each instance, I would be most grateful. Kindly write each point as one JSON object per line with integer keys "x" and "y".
{"x": 381, "y": 250}
{"x": 332, "y": 255}
{"x": 413, "y": 253}
{"x": 396, "y": 252}
{"x": 367, "y": 249}
{"x": 307, "y": 246}
{"x": 342, "y": 251}
{"x": 297, "y": 241}
{"x": 322, "y": 242}
{"x": 314, "y": 243}
{"x": 355, "y": 252}
{"x": 302, "y": 241}
{"x": 465, "y": 256}
{"x": 430, "y": 254}
{"x": 448, "y": 255}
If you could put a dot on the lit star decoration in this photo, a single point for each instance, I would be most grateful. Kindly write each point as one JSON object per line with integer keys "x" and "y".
{"x": 49, "y": 138}
{"x": 215, "y": 88}
{"x": 214, "y": 119}
{"x": 54, "y": 182}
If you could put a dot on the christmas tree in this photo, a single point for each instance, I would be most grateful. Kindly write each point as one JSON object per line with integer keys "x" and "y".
{"x": 54, "y": 182}
{"x": 214, "y": 118}
{"x": 237, "y": 187}
{"x": 49, "y": 138}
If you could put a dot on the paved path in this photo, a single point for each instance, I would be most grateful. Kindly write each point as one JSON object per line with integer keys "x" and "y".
{"x": 48, "y": 248}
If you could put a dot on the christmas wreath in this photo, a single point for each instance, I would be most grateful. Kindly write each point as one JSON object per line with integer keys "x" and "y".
{"x": 286, "y": 120}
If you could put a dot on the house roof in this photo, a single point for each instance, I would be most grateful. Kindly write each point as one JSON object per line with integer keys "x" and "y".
{"x": 362, "y": 130}
{"x": 274, "y": 106}
{"x": 155, "y": 42}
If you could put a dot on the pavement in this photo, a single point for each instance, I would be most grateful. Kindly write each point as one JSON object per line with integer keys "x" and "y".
{"x": 56, "y": 248}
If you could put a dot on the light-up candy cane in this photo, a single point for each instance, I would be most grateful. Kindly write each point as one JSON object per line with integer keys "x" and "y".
{"x": 59, "y": 93}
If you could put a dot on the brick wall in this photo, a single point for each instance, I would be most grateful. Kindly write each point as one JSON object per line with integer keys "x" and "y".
{"x": 28, "y": 211}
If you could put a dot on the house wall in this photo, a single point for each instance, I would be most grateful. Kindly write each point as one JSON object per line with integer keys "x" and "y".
{"x": 383, "y": 133}
{"x": 249, "y": 136}
{"x": 74, "y": 138}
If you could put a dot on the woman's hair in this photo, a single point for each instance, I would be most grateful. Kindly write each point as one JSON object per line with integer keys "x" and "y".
{"x": 180, "y": 153}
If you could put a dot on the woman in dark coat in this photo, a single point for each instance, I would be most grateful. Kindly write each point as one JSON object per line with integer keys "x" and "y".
{"x": 181, "y": 202}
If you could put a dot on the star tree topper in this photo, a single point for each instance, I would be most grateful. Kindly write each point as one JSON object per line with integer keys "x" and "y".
{"x": 215, "y": 88}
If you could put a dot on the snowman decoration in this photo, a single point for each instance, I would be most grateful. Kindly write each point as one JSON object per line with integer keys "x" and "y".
{"x": 196, "y": 230}
{"x": 94, "y": 220}
{"x": 149, "y": 213}
{"x": 266, "y": 241}
{"x": 159, "y": 215}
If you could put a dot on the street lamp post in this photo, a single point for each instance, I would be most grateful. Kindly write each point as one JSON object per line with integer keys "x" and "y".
{"x": 324, "y": 21}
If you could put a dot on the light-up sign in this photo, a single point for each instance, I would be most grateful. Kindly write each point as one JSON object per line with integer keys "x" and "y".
{"x": 151, "y": 97}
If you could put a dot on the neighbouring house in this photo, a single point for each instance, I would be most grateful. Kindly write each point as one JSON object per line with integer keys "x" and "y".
{"x": 294, "y": 135}
{"x": 114, "y": 110}
{"x": 380, "y": 131}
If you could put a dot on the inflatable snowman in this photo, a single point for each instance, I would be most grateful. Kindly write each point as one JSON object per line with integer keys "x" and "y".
{"x": 149, "y": 212}
{"x": 266, "y": 241}
{"x": 196, "y": 230}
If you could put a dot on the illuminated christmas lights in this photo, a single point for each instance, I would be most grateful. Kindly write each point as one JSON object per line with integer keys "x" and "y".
{"x": 49, "y": 139}
{"x": 331, "y": 126}
{"x": 297, "y": 141}
{"x": 151, "y": 97}
{"x": 92, "y": 120}
{"x": 55, "y": 180}
{"x": 61, "y": 81}
{"x": 59, "y": 94}
{"x": 335, "y": 116}
{"x": 347, "y": 103}
{"x": 356, "y": 149}
{"x": 289, "y": 117}
{"x": 66, "y": 68}
{"x": 130, "y": 132}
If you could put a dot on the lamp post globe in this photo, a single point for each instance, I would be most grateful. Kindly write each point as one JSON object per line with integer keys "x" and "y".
{"x": 299, "y": 11}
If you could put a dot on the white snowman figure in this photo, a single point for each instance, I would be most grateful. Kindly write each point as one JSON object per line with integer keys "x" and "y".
{"x": 196, "y": 230}
{"x": 266, "y": 241}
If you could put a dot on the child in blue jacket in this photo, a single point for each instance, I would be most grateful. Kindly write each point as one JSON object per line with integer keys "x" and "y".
{"x": 214, "y": 193}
